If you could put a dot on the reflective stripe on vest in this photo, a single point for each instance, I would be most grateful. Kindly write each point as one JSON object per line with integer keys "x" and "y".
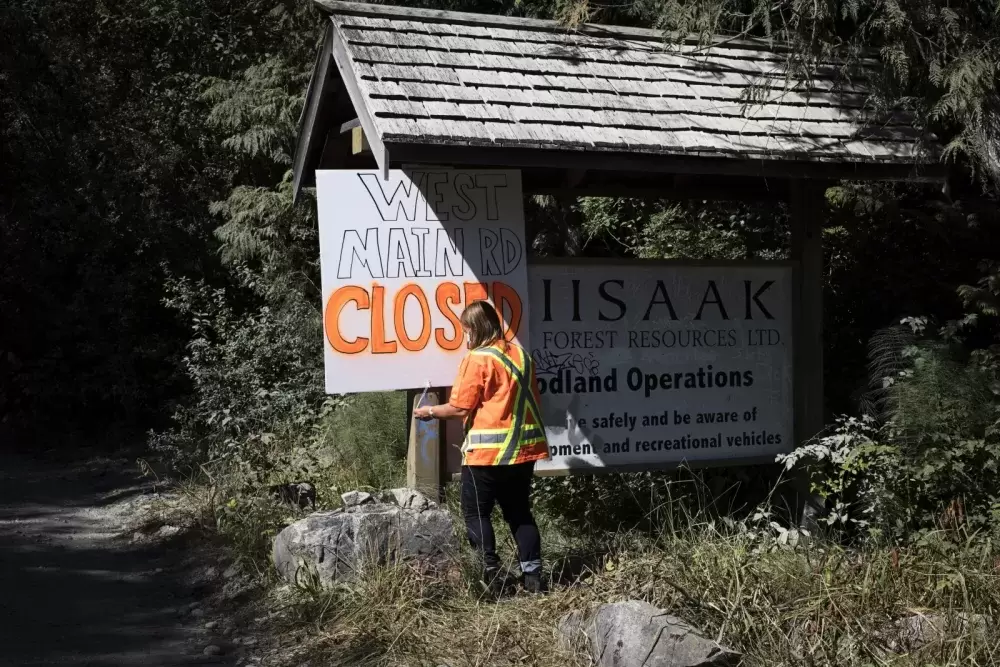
{"x": 509, "y": 441}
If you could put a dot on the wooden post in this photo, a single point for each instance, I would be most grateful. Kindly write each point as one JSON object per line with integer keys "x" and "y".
{"x": 806, "y": 208}
{"x": 424, "y": 457}
{"x": 359, "y": 142}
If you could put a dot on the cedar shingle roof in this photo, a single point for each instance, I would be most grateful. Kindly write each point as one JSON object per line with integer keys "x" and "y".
{"x": 453, "y": 79}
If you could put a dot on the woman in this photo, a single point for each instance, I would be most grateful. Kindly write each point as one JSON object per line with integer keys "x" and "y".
{"x": 496, "y": 393}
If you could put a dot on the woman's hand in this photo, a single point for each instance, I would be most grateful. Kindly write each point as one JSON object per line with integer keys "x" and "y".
{"x": 445, "y": 411}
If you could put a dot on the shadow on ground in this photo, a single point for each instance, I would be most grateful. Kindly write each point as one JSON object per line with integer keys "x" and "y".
{"x": 73, "y": 593}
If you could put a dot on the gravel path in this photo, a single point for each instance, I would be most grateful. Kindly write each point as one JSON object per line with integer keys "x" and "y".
{"x": 72, "y": 592}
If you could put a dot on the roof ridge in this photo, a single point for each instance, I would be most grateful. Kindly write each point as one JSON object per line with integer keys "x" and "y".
{"x": 343, "y": 8}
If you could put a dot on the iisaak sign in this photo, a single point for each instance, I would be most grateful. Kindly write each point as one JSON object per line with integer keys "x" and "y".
{"x": 656, "y": 364}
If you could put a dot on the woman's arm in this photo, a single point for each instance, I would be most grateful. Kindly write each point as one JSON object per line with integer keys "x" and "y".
{"x": 466, "y": 392}
{"x": 446, "y": 411}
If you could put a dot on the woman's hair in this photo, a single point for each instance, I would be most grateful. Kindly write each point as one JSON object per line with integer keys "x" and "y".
{"x": 482, "y": 323}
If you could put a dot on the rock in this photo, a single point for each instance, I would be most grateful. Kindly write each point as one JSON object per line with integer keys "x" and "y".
{"x": 198, "y": 613}
{"x": 637, "y": 634}
{"x": 213, "y": 649}
{"x": 168, "y": 531}
{"x": 231, "y": 572}
{"x": 236, "y": 588}
{"x": 335, "y": 546}
{"x": 355, "y": 498}
{"x": 411, "y": 499}
{"x": 211, "y": 625}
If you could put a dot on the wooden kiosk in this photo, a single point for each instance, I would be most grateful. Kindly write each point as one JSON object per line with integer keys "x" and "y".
{"x": 602, "y": 111}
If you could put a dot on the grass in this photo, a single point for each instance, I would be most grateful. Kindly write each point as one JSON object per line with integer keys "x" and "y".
{"x": 784, "y": 607}
{"x": 815, "y": 604}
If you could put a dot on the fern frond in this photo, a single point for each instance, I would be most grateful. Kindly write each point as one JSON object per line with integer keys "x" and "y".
{"x": 886, "y": 362}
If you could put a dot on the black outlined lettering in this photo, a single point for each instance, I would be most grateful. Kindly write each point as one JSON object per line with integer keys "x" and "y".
{"x": 489, "y": 243}
{"x": 448, "y": 253}
{"x": 404, "y": 197}
{"x": 491, "y": 182}
{"x": 421, "y": 234}
{"x": 511, "y": 250}
{"x": 369, "y": 255}
{"x": 462, "y": 183}
{"x": 399, "y": 255}
{"x": 434, "y": 197}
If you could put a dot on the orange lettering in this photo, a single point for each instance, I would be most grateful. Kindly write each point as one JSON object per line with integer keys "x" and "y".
{"x": 504, "y": 294}
{"x": 331, "y": 319}
{"x": 475, "y": 292}
{"x": 399, "y": 306}
{"x": 445, "y": 294}
{"x": 379, "y": 344}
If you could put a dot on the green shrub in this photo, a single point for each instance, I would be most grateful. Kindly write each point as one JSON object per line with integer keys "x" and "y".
{"x": 655, "y": 501}
{"x": 926, "y": 458}
{"x": 366, "y": 440}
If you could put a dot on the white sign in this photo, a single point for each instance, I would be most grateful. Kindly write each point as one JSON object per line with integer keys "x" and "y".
{"x": 401, "y": 258}
{"x": 662, "y": 363}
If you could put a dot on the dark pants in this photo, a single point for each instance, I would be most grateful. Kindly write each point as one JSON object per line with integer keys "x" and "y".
{"x": 510, "y": 487}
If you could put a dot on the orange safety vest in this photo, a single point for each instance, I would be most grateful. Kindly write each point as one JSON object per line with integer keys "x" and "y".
{"x": 523, "y": 440}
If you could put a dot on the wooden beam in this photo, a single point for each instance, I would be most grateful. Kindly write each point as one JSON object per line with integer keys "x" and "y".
{"x": 365, "y": 118}
{"x": 359, "y": 142}
{"x": 424, "y": 453}
{"x": 597, "y": 161}
{"x": 806, "y": 207}
{"x": 776, "y": 190}
{"x": 315, "y": 118}
{"x": 573, "y": 177}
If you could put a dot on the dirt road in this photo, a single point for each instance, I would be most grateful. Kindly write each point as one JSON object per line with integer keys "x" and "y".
{"x": 73, "y": 592}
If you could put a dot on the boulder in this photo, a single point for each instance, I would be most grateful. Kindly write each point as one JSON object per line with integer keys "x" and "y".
{"x": 637, "y": 634}
{"x": 411, "y": 499}
{"x": 355, "y": 498}
{"x": 328, "y": 547}
{"x": 168, "y": 531}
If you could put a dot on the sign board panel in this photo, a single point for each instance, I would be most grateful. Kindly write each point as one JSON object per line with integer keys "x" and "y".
{"x": 653, "y": 364}
{"x": 402, "y": 257}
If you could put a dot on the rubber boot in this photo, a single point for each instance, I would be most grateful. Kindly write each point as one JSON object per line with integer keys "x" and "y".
{"x": 534, "y": 584}
{"x": 493, "y": 581}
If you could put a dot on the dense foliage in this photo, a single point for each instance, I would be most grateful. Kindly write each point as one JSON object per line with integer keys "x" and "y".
{"x": 156, "y": 273}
